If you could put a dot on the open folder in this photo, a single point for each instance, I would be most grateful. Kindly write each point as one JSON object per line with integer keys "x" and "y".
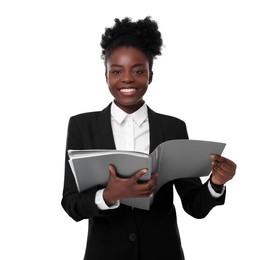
{"x": 172, "y": 160}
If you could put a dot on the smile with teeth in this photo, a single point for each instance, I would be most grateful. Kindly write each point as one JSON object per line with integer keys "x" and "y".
{"x": 127, "y": 90}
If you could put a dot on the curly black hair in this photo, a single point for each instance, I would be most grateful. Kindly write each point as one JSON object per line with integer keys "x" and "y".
{"x": 143, "y": 34}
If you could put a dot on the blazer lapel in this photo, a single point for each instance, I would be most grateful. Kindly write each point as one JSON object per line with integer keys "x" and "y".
{"x": 105, "y": 133}
{"x": 156, "y": 138}
{"x": 155, "y": 130}
{"x": 106, "y": 140}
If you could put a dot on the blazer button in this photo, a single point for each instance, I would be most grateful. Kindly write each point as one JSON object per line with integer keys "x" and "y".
{"x": 132, "y": 237}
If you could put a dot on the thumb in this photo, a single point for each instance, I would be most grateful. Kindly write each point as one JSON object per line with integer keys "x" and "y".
{"x": 112, "y": 171}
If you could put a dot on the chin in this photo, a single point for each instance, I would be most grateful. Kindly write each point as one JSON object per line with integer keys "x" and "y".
{"x": 130, "y": 103}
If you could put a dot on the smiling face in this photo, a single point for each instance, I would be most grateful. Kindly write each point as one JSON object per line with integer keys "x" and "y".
{"x": 128, "y": 76}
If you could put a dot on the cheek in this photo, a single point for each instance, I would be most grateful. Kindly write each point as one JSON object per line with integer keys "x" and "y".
{"x": 111, "y": 86}
{"x": 145, "y": 90}
{"x": 144, "y": 83}
{"x": 111, "y": 82}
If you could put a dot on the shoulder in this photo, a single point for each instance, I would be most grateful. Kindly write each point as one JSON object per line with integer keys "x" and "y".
{"x": 84, "y": 116}
{"x": 166, "y": 119}
{"x": 171, "y": 119}
{"x": 172, "y": 127}
{"x": 90, "y": 117}
{"x": 83, "y": 120}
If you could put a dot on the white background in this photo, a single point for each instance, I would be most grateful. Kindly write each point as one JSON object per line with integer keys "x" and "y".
{"x": 50, "y": 68}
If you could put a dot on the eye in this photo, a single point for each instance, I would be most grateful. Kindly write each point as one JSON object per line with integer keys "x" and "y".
{"x": 115, "y": 72}
{"x": 139, "y": 72}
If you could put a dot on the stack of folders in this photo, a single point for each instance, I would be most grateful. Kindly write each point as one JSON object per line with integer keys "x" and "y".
{"x": 171, "y": 160}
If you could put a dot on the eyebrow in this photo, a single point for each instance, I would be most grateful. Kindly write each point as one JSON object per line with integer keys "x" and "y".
{"x": 135, "y": 65}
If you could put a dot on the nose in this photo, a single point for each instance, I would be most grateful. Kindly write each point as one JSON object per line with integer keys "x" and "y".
{"x": 127, "y": 77}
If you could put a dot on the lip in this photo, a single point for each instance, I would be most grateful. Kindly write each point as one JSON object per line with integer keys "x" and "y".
{"x": 128, "y": 91}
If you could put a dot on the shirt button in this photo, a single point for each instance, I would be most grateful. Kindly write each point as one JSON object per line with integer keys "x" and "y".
{"x": 132, "y": 237}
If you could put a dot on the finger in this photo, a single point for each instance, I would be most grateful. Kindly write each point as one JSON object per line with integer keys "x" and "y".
{"x": 225, "y": 163}
{"x": 155, "y": 176}
{"x": 147, "y": 188}
{"x": 230, "y": 163}
{"x": 214, "y": 156}
{"x": 221, "y": 158}
{"x": 112, "y": 170}
{"x": 221, "y": 173}
{"x": 147, "y": 191}
{"x": 218, "y": 158}
{"x": 227, "y": 167}
{"x": 153, "y": 181}
{"x": 139, "y": 174}
{"x": 145, "y": 195}
{"x": 153, "y": 188}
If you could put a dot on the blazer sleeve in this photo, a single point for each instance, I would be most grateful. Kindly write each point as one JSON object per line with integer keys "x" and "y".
{"x": 78, "y": 205}
{"x": 195, "y": 196}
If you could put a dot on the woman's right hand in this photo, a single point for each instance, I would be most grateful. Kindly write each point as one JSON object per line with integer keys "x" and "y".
{"x": 119, "y": 188}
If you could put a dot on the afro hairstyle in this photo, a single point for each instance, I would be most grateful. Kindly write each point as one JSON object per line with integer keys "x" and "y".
{"x": 142, "y": 34}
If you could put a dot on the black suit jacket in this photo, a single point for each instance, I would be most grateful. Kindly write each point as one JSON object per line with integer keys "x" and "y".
{"x": 126, "y": 233}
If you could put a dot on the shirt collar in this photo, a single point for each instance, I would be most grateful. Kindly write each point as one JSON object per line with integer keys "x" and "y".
{"x": 138, "y": 116}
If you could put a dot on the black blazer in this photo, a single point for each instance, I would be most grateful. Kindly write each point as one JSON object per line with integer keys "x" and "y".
{"x": 124, "y": 233}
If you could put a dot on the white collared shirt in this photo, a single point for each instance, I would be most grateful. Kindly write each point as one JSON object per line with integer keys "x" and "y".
{"x": 131, "y": 132}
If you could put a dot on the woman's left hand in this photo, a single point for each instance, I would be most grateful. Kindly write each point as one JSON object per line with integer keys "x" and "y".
{"x": 223, "y": 169}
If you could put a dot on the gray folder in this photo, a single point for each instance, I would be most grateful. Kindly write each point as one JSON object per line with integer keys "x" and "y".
{"x": 171, "y": 160}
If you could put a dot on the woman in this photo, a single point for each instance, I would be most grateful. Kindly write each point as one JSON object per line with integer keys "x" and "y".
{"x": 117, "y": 231}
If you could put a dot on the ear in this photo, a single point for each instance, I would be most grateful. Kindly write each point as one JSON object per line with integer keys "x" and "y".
{"x": 106, "y": 77}
{"x": 150, "y": 76}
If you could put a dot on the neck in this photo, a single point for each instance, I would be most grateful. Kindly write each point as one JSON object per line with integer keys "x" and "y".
{"x": 130, "y": 109}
